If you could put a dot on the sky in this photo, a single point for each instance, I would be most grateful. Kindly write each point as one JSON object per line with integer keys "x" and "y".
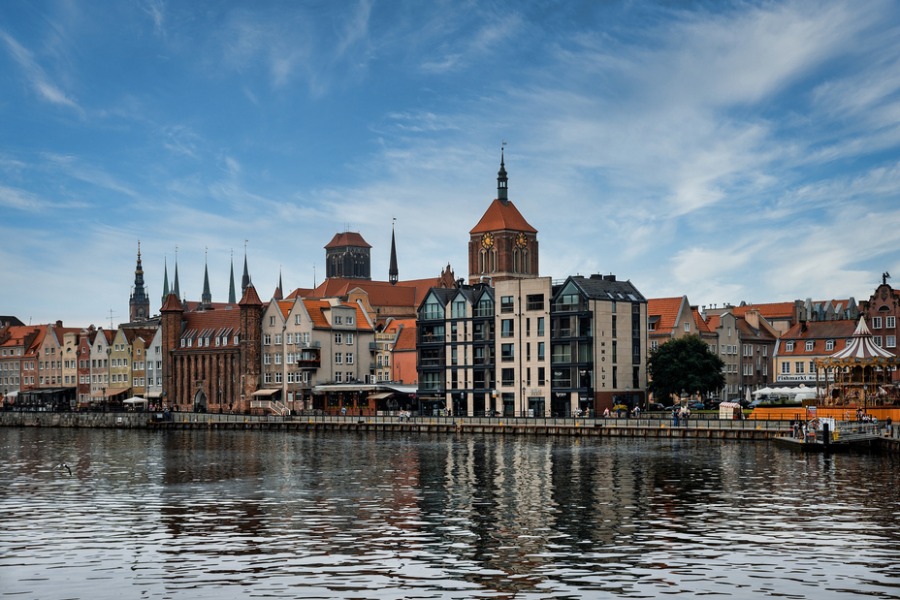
{"x": 725, "y": 151}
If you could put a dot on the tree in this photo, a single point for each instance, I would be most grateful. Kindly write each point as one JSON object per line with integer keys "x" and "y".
{"x": 684, "y": 365}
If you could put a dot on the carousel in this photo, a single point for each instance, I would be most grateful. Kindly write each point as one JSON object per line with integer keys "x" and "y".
{"x": 861, "y": 374}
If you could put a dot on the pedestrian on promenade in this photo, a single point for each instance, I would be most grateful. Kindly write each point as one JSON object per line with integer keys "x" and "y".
{"x": 675, "y": 417}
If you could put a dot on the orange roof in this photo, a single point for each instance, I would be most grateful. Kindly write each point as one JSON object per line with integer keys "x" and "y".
{"x": 406, "y": 341}
{"x": 285, "y": 307}
{"x": 381, "y": 293}
{"x": 666, "y": 309}
{"x": 213, "y": 320}
{"x": 348, "y": 238}
{"x": 502, "y": 215}
{"x": 772, "y": 310}
{"x": 702, "y": 326}
{"x": 316, "y": 309}
{"x": 817, "y": 332}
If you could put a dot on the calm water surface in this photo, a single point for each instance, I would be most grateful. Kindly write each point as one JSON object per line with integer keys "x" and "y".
{"x": 341, "y": 515}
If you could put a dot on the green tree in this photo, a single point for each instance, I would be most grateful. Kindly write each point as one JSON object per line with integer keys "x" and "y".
{"x": 684, "y": 365}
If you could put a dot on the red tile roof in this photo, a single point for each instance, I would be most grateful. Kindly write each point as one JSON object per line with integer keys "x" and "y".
{"x": 666, "y": 310}
{"x": 772, "y": 310}
{"x": 348, "y": 238}
{"x": 502, "y": 215}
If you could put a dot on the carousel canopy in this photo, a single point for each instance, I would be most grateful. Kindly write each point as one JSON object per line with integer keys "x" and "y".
{"x": 861, "y": 350}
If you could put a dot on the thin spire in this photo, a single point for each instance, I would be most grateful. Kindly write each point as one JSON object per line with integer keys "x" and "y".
{"x": 245, "y": 280}
{"x": 176, "y": 289}
{"x": 165, "y": 279}
{"x": 279, "y": 294}
{"x": 501, "y": 178}
{"x": 139, "y": 303}
{"x": 206, "y": 297}
{"x": 393, "y": 271}
{"x": 231, "y": 294}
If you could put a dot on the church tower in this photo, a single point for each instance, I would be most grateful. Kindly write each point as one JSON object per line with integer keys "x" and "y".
{"x": 502, "y": 245}
{"x": 139, "y": 304}
{"x": 347, "y": 255}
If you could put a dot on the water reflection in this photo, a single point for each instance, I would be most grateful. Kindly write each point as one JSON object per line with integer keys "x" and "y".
{"x": 343, "y": 515}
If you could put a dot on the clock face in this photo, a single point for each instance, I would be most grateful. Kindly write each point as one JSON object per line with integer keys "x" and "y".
{"x": 521, "y": 240}
{"x": 487, "y": 241}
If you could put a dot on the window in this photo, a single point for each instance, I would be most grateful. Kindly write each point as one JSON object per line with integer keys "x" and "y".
{"x": 829, "y": 345}
{"x": 506, "y": 304}
{"x": 876, "y": 323}
{"x": 338, "y": 338}
{"x": 890, "y": 322}
{"x": 267, "y": 340}
{"x": 506, "y": 352}
{"x": 789, "y": 346}
{"x": 507, "y": 328}
{"x": 459, "y": 308}
{"x": 785, "y": 368}
{"x": 890, "y": 341}
{"x": 349, "y": 320}
{"x": 277, "y": 338}
{"x": 338, "y": 320}
{"x": 278, "y": 359}
{"x": 297, "y": 320}
{"x": 267, "y": 359}
{"x": 687, "y": 325}
{"x": 348, "y": 358}
{"x": 534, "y": 302}
{"x": 798, "y": 366}
{"x": 810, "y": 344}
{"x": 877, "y": 340}
{"x": 540, "y": 348}
{"x": 348, "y": 338}
{"x": 272, "y": 321}
{"x": 508, "y": 377}
{"x": 540, "y": 326}
{"x": 337, "y": 377}
{"x": 338, "y": 357}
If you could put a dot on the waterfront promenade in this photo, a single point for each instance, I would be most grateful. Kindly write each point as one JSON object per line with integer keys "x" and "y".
{"x": 703, "y": 426}
{"x": 652, "y": 426}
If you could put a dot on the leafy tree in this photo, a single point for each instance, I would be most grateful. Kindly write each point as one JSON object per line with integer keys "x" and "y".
{"x": 684, "y": 365}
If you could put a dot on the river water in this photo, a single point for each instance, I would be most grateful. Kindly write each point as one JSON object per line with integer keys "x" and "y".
{"x": 233, "y": 514}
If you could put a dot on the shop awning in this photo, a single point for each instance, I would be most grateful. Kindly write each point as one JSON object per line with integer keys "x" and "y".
{"x": 265, "y": 393}
{"x": 381, "y": 396}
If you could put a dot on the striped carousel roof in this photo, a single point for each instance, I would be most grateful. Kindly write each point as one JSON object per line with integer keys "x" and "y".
{"x": 861, "y": 348}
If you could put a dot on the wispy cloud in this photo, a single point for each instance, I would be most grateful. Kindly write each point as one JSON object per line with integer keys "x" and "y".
{"x": 37, "y": 78}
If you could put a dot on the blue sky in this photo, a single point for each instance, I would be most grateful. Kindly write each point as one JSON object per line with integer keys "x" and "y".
{"x": 743, "y": 151}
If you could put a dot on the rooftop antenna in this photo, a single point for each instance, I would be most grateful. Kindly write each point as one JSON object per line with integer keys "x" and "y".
{"x": 111, "y": 315}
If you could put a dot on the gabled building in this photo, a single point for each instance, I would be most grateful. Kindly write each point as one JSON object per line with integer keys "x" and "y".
{"x": 882, "y": 313}
{"x": 669, "y": 319}
{"x": 100, "y": 351}
{"x": 14, "y": 342}
{"x": 798, "y": 349}
{"x": 212, "y": 354}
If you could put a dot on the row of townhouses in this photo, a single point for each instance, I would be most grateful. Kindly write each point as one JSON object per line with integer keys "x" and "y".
{"x": 506, "y": 341}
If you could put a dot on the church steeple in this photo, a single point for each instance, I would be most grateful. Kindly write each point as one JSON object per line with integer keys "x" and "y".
{"x": 206, "y": 297}
{"x": 176, "y": 289}
{"x": 245, "y": 280}
{"x": 279, "y": 295}
{"x": 501, "y": 179}
{"x": 139, "y": 304}
{"x": 231, "y": 294}
{"x": 165, "y": 281}
{"x": 393, "y": 271}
